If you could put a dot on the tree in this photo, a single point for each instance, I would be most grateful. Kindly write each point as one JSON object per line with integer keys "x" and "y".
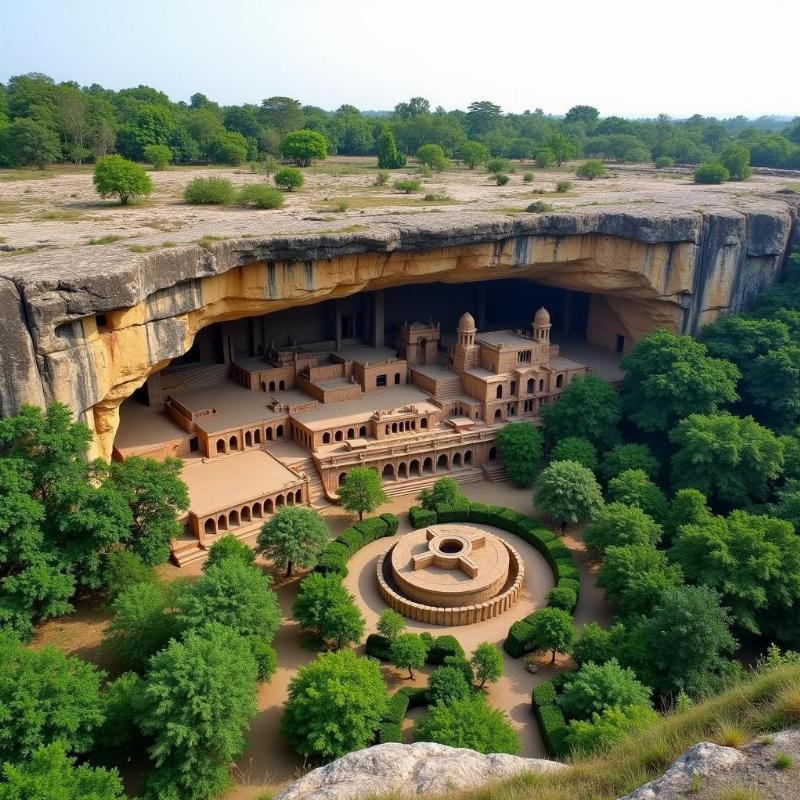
{"x": 445, "y": 492}
{"x": 433, "y": 156}
{"x": 487, "y": 664}
{"x": 114, "y": 176}
{"x": 389, "y": 157}
{"x": 633, "y": 576}
{"x": 634, "y": 488}
{"x": 596, "y": 687}
{"x": 732, "y": 459}
{"x": 390, "y": 624}
{"x": 408, "y": 651}
{"x": 228, "y": 147}
{"x": 590, "y": 170}
{"x": 159, "y": 155}
{"x": 736, "y": 159}
{"x": 605, "y": 729}
{"x": 668, "y": 377}
{"x": 447, "y": 684}
{"x": 584, "y": 114}
{"x": 27, "y": 143}
{"x": 124, "y": 569}
{"x": 711, "y": 172}
{"x": 156, "y": 494}
{"x": 623, "y": 457}
{"x": 519, "y": 445}
{"x": 293, "y": 536}
{"x": 335, "y": 705}
{"x": 304, "y": 146}
{"x": 228, "y": 546}
{"x": 50, "y": 774}
{"x": 46, "y": 697}
{"x": 685, "y": 640}
{"x": 325, "y": 606}
{"x": 752, "y": 561}
{"x": 468, "y": 722}
{"x": 618, "y": 524}
{"x": 140, "y": 626}
{"x": 544, "y": 156}
{"x": 598, "y": 644}
{"x": 568, "y": 493}
{"x": 553, "y": 630}
{"x": 361, "y": 491}
{"x": 473, "y": 154}
{"x": 282, "y": 113}
{"x": 195, "y": 703}
{"x": 575, "y": 448}
{"x": 687, "y": 508}
{"x": 561, "y": 146}
{"x": 589, "y": 407}
{"x": 289, "y": 178}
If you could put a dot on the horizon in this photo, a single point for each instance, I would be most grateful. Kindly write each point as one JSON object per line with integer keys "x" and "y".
{"x": 260, "y": 48}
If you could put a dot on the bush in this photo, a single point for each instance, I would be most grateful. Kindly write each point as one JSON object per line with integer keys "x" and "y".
{"x": 527, "y": 177}
{"x": 442, "y": 647}
{"x": 124, "y": 569}
{"x": 596, "y": 687}
{"x": 562, "y": 187}
{"x": 289, "y": 178}
{"x": 420, "y": 517}
{"x": 553, "y": 728}
{"x": 115, "y": 176}
{"x": 258, "y": 196}
{"x": 304, "y": 146}
{"x": 381, "y": 177}
{"x": 391, "y": 725}
{"x": 501, "y": 179}
{"x": 590, "y": 170}
{"x": 378, "y": 646}
{"x": 498, "y": 165}
{"x": 608, "y": 727}
{"x": 389, "y": 157}
{"x": 445, "y": 492}
{"x": 519, "y": 639}
{"x": 209, "y": 191}
{"x": 392, "y": 523}
{"x": 433, "y": 156}
{"x": 447, "y": 684}
{"x": 228, "y": 546}
{"x": 333, "y": 559}
{"x": 539, "y": 207}
{"x": 407, "y": 185}
{"x": 372, "y": 528}
{"x": 159, "y": 155}
{"x": 711, "y": 172}
{"x": 228, "y": 147}
{"x": 563, "y": 596}
{"x": 390, "y": 624}
{"x": 664, "y": 162}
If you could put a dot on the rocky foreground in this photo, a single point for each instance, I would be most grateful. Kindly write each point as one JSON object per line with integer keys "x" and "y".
{"x": 703, "y": 772}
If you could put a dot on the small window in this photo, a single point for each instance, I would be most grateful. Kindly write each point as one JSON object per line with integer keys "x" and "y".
{"x": 620, "y": 344}
{"x": 380, "y": 380}
{"x": 194, "y": 445}
{"x": 102, "y": 322}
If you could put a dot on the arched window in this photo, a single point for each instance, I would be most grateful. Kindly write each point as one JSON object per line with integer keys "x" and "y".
{"x": 427, "y": 466}
{"x": 257, "y": 436}
{"x": 222, "y": 523}
{"x": 342, "y": 476}
{"x": 468, "y": 457}
{"x": 282, "y": 385}
{"x": 279, "y": 432}
{"x": 397, "y": 377}
{"x": 402, "y": 471}
{"x": 233, "y": 519}
{"x": 394, "y": 427}
{"x": 257, "y": 513}
{"x": 234, "y": 443}
{"x": 272, "y": 386}
{"x": 245, "y": 514}
{"x": 457, "y": 459}
{"x": 298, "y": 496}
{"x": 423, "y": 423}
{"x": 248, "y": 439}
{"x": 279, "y": 501}
{"x": 326, "y": 438}
{"x": 220, "y": 445}
{"x": 541, "y": 385}
{"x": 413, "y": 467}
{"x": 559, "y": 381}
{"x": 269, "y": 506}
{"x": 338, "y": 436}
{"x": 499, "y": 391}
{"x": 498, "y": 415}
{"x": 362, "y": 431}
{"x": 388, "y": 472}
{"x": 209, "y": 527}
{"x": 513, "y": 390}
{"x": 441, "y": 463}
{"x": 351, "y": 434}
{"x": 531, "y": 385}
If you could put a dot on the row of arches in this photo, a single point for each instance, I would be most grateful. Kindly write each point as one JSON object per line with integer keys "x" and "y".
{"x": 416, "y": 468}
{"x": 252, "y": 438}
{"x": 273, "y": 386}
{"x": 342, "y": 434}
{"x": 247, "y": 513}
{"x": 530, "y": 386}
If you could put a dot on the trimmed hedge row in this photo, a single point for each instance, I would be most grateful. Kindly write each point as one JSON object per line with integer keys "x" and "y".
{"x": 567, "y": 580}
{"x": 391, "y": 725}
{"x": 335, "y": 554}
{"x": 440, "y": 648}
{"x": 550, "y": 717}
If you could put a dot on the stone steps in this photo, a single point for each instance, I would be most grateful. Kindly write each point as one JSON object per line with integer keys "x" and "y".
{"x": 494, "y": 472}
{"x": 188, "y": 549}
{"x": 192, "y": 379}
{"x": 416, "y": 485}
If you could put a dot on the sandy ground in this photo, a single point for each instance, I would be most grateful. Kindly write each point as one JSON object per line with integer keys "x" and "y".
{"x": 267, "y": 759}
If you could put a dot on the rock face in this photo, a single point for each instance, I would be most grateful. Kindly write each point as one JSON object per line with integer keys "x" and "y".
{"x": 89, "y": 331}
{"x": 409, "y": 769}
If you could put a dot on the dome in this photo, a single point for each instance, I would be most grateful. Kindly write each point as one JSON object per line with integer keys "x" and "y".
{"x": 467, "y": 322}
{"x": 542, "y": 317}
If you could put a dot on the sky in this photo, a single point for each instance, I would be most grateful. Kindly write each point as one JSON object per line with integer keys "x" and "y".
{"x": 634, "y": 58}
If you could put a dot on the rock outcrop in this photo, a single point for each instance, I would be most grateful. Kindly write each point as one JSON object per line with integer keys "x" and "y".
{"x": 409, "y": 770}
{"x": 88, "y": 328}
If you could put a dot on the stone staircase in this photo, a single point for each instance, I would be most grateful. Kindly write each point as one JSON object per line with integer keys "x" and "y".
{"x": 449, "y": 388}
{"x": 416, "y": 485}
{"x": 306, "y": 465}
{"x": 494, "y": 471}
{"x": 189, "y": 379}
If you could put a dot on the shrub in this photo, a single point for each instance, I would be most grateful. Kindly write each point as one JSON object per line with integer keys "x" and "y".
{"x": 562, "y": 187}
{"x": 473, "y": 153}
{"x": 608, "y": 727}
{"x": 527, "y": 177}
{"x": 501, "y": 179}
{"x": 736, "y": 159}
{"x": 407, "y": 185}
{"x": 352, "y": 539}
{"x": 373, "y": 528}
{"x": 115, "y": 176}
{"x": 544, "y": 694}
{"x": 381, "y": 177}
{"x": 257, "y": 196}
{"x": 544, "y": 157}
{"x": 391, "y": 725}
{"x": 433, "y": 156}
{"x": 420, "y": 517}
{"x": 333, "y": 559}
{"x": 519, "y": 446}
{"x": 519, "y": 638}
{"x": 209, "y": 191}
{"x": 664, "y": 162}
{"x": 289, "y": 178}
{"x": 126, "y": 568}
{"x": 228, "y": 546}
{"x": 389, "y": 157}
{"x": 498, "y": 165}
{"x": 553, "y": 728}
{"x": 447, "y": 684}
{"x": 378, "y": 646}
{"x": 596, "y": 687}
{"x": 711, "y": 172}
{"x": 590, "y": 170}
{"x": 392, "y": 523}
{"x": 563, "y": 596}
{"x": 304, "y": 146}
{"x": 228, "y": 147}
{"x": 445, "y": 492}
{"x": 442, "y": 647}
{"x": 539, "y": 207}
{"x": 159, "y": 155}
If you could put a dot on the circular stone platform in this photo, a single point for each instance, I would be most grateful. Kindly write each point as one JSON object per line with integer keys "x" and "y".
{"x": 450, "y": 574}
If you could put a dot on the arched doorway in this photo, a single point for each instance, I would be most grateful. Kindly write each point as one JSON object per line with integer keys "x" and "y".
{"x": 209, "y": 528}
{"x": 221, "y": 445}
{"x": 362, "y": 431}
{"x": 388, "y": 472}
{"x": 342, "y": 477}
{"x": 279, "y": 432}
{"x": 468, "y": 457}
{"x": 257, "y": 513}
{"x": 233, "y": 442}
{"x": 456, "y": 460}
{"x": 222, "y": 523}
{"x": 279, "y": 501}
{"x": 441, "y": 463}
{"x": 402, "y": 471}
{"x": 245, "y": 515}
{"x": 248, "y": 439}
{"x": 492, "y": 454}
{"x": 427, "y": 466}
{"x": 413, "y": 468}
{"x": 233, "y": 519}
{"x": 298, "y": 496}
{"x": 338, "y": 436}
{"x": 498, "y": 415}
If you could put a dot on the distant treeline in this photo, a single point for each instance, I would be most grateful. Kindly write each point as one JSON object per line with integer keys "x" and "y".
{"x": 42, "y": 122}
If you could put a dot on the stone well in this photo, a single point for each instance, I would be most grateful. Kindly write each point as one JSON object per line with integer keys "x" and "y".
{"x": 451, "y": 574}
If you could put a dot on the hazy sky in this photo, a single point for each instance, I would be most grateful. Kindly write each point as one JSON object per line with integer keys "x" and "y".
{"x": 627, "y": 57}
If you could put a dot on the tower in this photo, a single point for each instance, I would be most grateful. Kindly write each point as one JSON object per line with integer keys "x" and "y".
{"x": 541, "y": 327}
{"x": 466, "y": 352}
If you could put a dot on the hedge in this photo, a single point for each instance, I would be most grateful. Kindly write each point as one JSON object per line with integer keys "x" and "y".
{"x": 518, "y": 640}
{"x": 391, "y": 724}
{"x": 421, "y": 518}
{"x": 442, "y": 647}
{"x": 417, "y": 695}
{"x": 392, "y": 523}
{"x": 335, "y": 554}
{"x": 378, "y": 646}
{"x": 562, "y": 596}
{"x": 543, "y": 694}
{"x": 553, "y": 728}
{"x": 333, "y": 558}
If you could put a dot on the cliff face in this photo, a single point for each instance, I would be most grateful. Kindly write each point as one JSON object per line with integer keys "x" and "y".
{"x": 88, "y": 332}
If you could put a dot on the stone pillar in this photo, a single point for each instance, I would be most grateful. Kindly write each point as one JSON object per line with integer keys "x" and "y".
{"x": 155, "y": 397}
{"x": 338, "y": 324}
{"x": 377, "y": 319}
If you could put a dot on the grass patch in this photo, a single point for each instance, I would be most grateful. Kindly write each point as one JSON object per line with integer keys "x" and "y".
{"x": 792, "y": 187}
{"x": 163, "y": 225}
{"x": 783, "y": 761}
{"x": 26, "y": 174}
{"x": 61, "y": 215}
{"x": 109, "y": 239}
{"x": 207, "y": 241}
{"x": 143, "y": 248}
{"x": 10, "y": 207}
{"x": 378, "y": 201}
{"x": 739, "y": 793}
{"x": 731, "y": 735}
{"x": 346, "y": 229}
{"x": 20, "y": 251}
{"x": 338, "y": 169}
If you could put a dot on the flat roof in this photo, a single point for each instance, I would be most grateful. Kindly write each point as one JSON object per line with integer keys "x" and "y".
{"x": 220, "y": 483}
{"x": 508, "y": 338}
{"x": 559, "y": 362}
{"x": 367, "y": 356}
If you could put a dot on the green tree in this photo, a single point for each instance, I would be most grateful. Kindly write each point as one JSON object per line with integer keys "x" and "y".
{"x": 634, "y": 575}
{"x": 487, "y": 664}
{"x": 408, "y": 651}
{"x": 553, "y": 630}
{"x": 293, "y": 536}
{"x": 46, "y": 697}
{"x": 618, "y": 524}
{"x": 50, "y": 774}
{"x": 304, "y": 146}
{"x": 519, "y": 445}
{"x": 498, "y": 166}
{"x": 544, "y": 156}
{"x": 575, "y": 448}
{"x": 156, "y": 494}
{"x": 324, "y": 606}
{"x": 736, "y": 159}
{"x": 587, "y": 115}
{"x": 589, "y": 407}
{"x": 605, "y": 729}
{"x": 27, "y": 143}
{"x": 124, "y": 569}
{"x": 445, "y": 492}
{"x": 282, "y": 113}
{"x": 433, "y": 156}
{"x": 335, "y": 705}
{"x": 194, "y": 704}
{"x": 390, "y": 624}
{"x": 753, "y": 562}
{"x": 228, "y": 546}
{"x": 711, "y": 172}
{"x": 634, "y": 488}
{"x": 730, "y": 458}
{"x": 468, "y": 722}
{"x": 114, "y": 176}
{"x": 389, "y": 157}
{"x": 447, "y": 684}
{"x": 473, "y": 154}
{"x": 228, "y": 147}
{"x": 561, "y": 146}
{"x": 568, "y": 493}
{"x": 289, "y": 178}
{"x": 596, "y": 687}
{"x": 668, "y": 377}
{"x": 591, "y": 170}
{"x": 623, "y": 457}
{"x": 598, "y": 644}
{"x": 159, "y": 155}
{"x": 688, "y": 507}
{"x": 361, "y": 491}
